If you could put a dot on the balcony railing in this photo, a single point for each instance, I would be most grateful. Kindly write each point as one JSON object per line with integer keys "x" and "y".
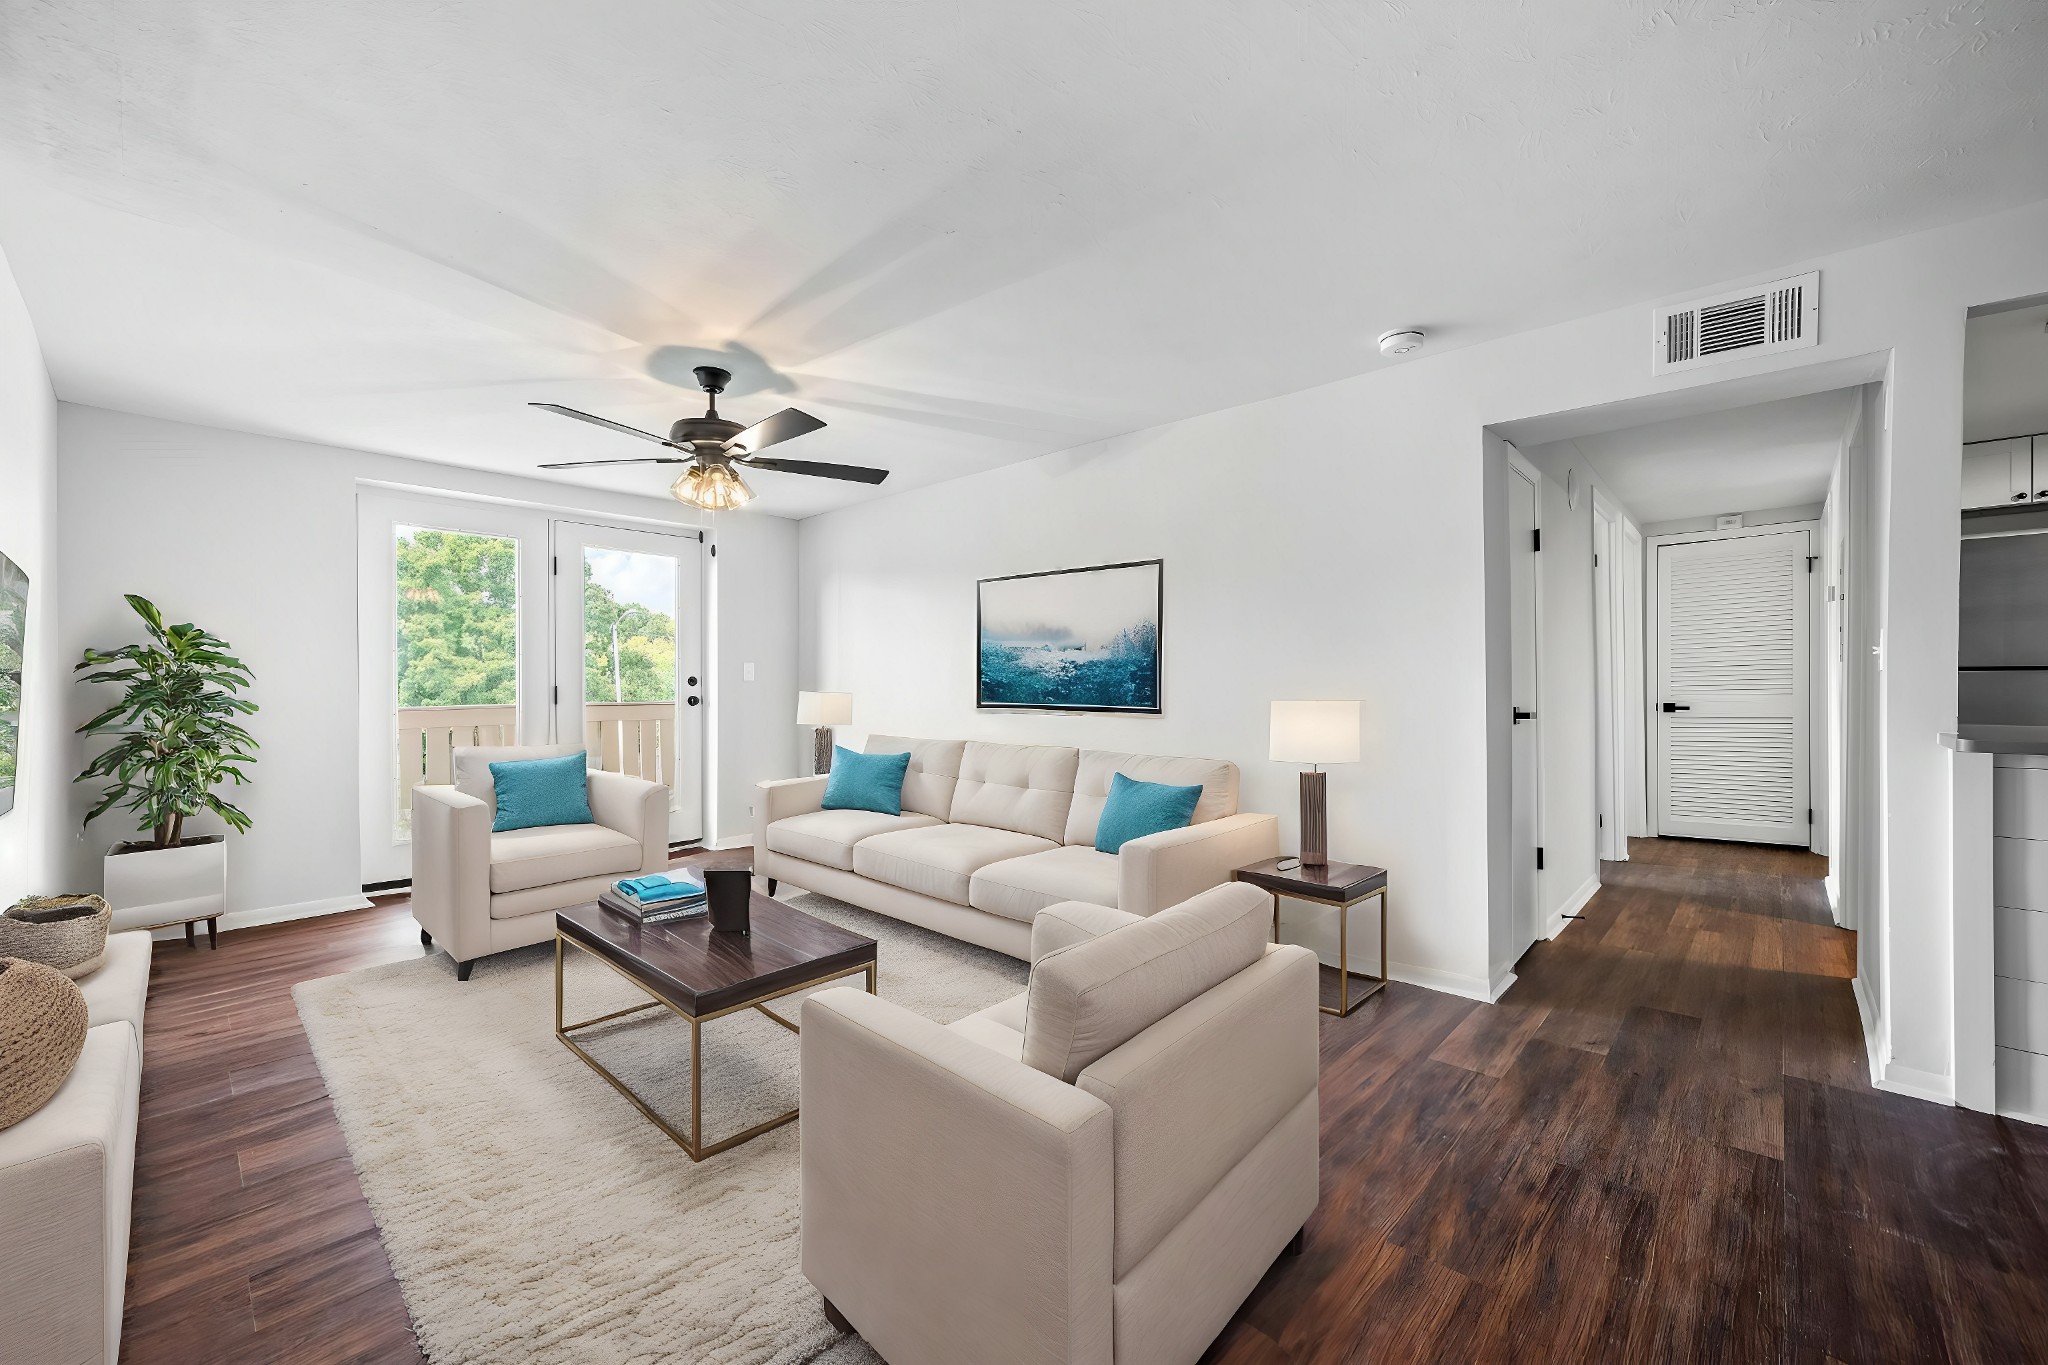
{"x": 633, "y": 737}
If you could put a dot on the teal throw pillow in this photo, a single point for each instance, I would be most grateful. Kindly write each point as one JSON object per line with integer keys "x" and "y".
{"x": 542, "y": 791}
{"x": 1136, "y": 809}
{"x": 866, "y": 781}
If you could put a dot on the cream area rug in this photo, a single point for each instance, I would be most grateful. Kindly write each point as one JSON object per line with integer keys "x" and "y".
{"x": 532, "y": 1214}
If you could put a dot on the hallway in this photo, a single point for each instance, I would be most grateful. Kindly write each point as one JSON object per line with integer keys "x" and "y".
{"x": 1661, "y": 1145}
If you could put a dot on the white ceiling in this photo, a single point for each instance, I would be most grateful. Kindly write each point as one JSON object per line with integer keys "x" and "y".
{"x": 1748, "y": 459}
{"x": 2005, "y": 374}
{"x": 962, "y": 234}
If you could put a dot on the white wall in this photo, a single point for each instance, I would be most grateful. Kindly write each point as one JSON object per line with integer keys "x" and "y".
{"x": 1332, "y": 542}
{"x": 31, "y": 834}
{"x": 254, "y": 538}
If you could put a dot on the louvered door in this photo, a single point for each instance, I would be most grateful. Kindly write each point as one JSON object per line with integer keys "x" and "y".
{"x": 1731, "y": 699}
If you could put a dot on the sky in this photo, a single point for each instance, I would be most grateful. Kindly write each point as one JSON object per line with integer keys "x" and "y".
{"x": 1086, "y": 608}
{"x": 649, "y": 580}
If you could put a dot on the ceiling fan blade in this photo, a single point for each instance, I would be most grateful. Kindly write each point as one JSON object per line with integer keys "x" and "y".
{"x": 604, "y": 422}
{"x": 851, "y": 473}
{"x": 780, "y": 426}
{"x": 651, "y": 459}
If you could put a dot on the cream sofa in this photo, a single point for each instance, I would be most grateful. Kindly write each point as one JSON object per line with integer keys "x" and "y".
{"x": 1096, "y": 1171}
{"x": 476, "y": 893}
{"x": 67, "y": 1176}
{"x": 991, "y": 834}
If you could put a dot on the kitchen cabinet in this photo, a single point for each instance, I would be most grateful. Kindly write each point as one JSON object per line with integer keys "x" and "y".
{"x": 2000, "y": 473}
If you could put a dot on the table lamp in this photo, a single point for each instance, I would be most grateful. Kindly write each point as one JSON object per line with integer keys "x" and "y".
{"x": 824, "y": 710}
{"x": 1315, "y": 733}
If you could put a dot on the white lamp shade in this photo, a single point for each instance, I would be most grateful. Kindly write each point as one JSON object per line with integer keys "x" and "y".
{"x": 824, "y": 708}
{"x": 1315, "y": 732}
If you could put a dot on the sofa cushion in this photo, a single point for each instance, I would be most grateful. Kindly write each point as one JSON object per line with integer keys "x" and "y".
{"x": 1018, "y": 888}
{"x": 116, "y": 991}
{"x": 532, "y": 792}
{"x": 471, "y": 767}
{"x": 865, "y": 781}
{"x": 1096, "y": 768}
{"x": 546, "y": 854}
{"x": 1022, "y": 787}
{"x": 940, "y": 860}
{"x": 828, "y": 836}
{"x": 934, "y": 771}
{"x": 1087, "y": 1000}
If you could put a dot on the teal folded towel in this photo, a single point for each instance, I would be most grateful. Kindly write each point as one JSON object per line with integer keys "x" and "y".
{"x": 643, "y": 885}
{"x": 650, "y": 890}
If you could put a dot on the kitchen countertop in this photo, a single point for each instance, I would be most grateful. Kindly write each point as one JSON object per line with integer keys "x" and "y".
{"x": 1998, "y": 739}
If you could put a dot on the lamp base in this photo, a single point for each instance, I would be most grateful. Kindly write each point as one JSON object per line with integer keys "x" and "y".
{"x": 821, "y": 750}
{"x": 1315, "y": 811}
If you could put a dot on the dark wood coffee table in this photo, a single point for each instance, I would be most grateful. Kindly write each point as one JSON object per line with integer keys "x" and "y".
{"x": 701, "y": 975}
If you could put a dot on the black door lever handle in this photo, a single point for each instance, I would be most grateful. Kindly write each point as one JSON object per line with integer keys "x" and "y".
{"x": 1671, "y": 706}
{"x": 1521, "y": 715}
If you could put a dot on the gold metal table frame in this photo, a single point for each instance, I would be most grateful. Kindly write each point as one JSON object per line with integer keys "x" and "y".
{"x": 1376, "y": 984}
{"x": 693, "y": 1145}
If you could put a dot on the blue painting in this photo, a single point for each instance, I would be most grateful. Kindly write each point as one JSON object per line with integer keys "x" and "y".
{"x": 1071, "y": 640}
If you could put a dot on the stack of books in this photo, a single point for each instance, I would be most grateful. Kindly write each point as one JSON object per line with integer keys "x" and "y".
{"x": 653, "y": 899}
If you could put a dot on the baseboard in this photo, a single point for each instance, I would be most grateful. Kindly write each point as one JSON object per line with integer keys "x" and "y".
{"x": 275, "y": 914}
{"x": 1450, "y": 983}
{"x": 1833, "y": 887}
{"x": 720, "y": 845}
{"x": 1920, "y": 1085}
{"x": 1573, "y": 904}
{"x": 1893, "y": 1077}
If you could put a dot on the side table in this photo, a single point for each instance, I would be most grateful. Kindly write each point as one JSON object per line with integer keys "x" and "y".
{"x": 1341, "y": 885}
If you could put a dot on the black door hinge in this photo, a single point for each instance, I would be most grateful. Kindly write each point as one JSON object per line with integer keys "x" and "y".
{"x": 1536, "y": 540}
{"x": 1809, "y": 815}
{"x": 1599, "y": 822}
{"x": 1596, "y": 560}
{"x": 1539, "y": 860}
{"x": 558, "y": 696}
{"x": 554, "y": 563}
{"x": 714, "y": 552}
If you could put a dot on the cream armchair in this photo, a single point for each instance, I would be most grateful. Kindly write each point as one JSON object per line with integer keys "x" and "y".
{"x": 1102, "y": 1178}
{"x": 476, "y": 893}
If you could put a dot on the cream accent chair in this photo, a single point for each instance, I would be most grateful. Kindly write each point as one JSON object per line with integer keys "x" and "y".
{"x": 1096, "y": 1171}
{"x": 67, "y": 1176}
{"x": 991, "y": 834}
{"x": 476, "y": 893}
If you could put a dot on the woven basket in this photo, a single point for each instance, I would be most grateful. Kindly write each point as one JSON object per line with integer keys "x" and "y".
{"x": 42, "y": 1031}
{"x": 65, "y": 932}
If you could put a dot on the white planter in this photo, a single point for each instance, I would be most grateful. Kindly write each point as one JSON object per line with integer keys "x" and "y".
{"x": 153, "y": 887}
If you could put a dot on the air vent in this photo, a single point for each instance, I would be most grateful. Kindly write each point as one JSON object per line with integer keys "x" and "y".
{"x": 1780, "y": 316}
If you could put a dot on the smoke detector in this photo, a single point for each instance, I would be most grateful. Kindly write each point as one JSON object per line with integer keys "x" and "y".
{"x": 1401, "y": 342}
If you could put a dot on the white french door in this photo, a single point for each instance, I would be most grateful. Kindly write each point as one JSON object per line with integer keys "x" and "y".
{"x": 469, "y": 635}
{"x": 1731, "y": 696}
{"x": 629, "y": 658}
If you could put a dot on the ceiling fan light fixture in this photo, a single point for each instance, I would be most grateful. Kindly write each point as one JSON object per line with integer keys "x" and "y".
{"x": 713, "y": 487}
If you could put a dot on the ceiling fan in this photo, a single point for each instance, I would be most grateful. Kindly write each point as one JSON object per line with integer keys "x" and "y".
{"x": 716, "y": 450}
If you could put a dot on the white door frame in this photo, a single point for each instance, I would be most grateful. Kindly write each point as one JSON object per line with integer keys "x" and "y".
{"x": 565, "y": 535}
{"x": 1635, "y": 737}
{"x": 1654, "y": 543}
{"x": 380, "y": 508}
{"x": 1611, "y": 783}
{"x": 386, "y": 858}
{"x": 1527, "y": 932}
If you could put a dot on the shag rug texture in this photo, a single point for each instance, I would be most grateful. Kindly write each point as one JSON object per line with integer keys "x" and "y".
{"x": 532, "y": 1214}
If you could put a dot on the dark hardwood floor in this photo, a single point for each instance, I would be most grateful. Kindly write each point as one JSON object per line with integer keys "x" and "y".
{"x": 1660, "y": 1146}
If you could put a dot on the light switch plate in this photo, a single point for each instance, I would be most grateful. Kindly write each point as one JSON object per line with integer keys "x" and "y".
{"x": 746, "y": 672}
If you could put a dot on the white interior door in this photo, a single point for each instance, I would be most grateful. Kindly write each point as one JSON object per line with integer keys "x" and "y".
{"x": 452, "y": 611}
{"x": 1525, "y": 747}
{"x": 1731, "y": 697}
{"x": 629, "y": 680}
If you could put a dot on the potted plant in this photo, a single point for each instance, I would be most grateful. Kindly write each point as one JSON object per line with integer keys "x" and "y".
{"x": 175, "y": 740}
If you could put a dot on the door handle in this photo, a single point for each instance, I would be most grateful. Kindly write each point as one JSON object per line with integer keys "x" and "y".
{"x": 2019, "y": 497}
{"x": 1671, "y": 706}
{"x": 1521, "y": 715}
{"x": 693, "y": 701}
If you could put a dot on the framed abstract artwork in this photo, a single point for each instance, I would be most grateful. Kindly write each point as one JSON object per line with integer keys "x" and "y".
{"x": 13, "y": 641}
{"x": 1070, "y": 640}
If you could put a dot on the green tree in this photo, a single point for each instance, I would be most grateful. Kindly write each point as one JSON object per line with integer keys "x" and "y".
{"x": 458, "y": 619}
{"x": 646, "y": 644}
